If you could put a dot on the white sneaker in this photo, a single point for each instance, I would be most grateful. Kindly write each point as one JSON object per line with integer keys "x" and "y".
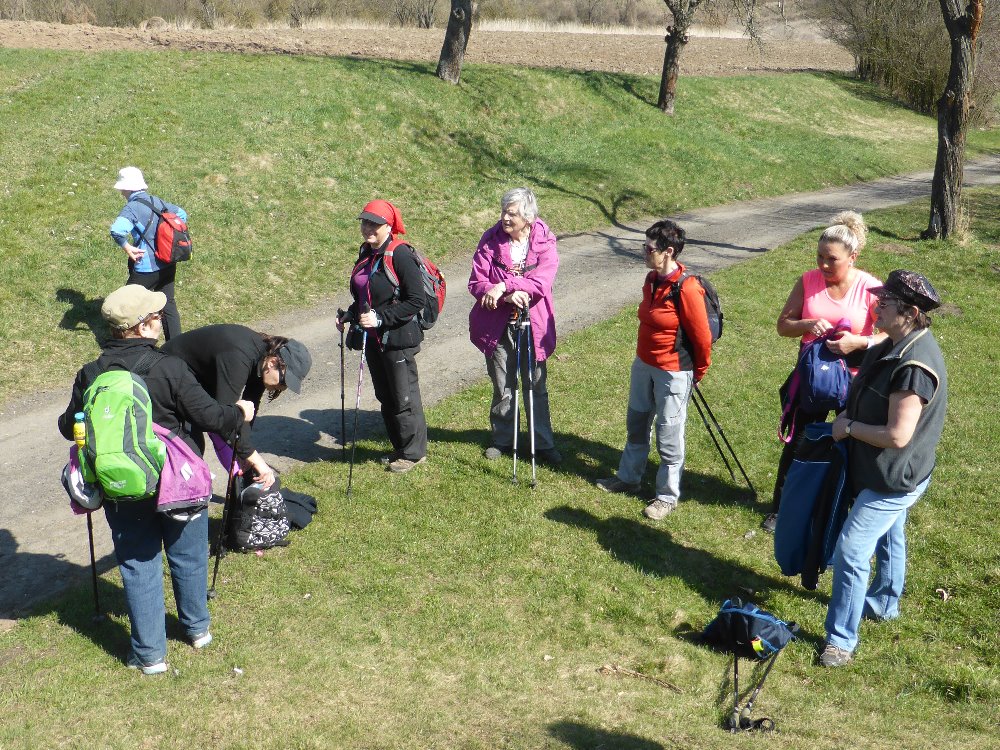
{"x": 658, "y": 509}
{"x": 158, "y": 668}
{"x": 200, "y": 640}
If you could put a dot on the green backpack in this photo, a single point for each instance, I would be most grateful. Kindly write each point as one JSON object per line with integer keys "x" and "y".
{"x": 122, "y": 453}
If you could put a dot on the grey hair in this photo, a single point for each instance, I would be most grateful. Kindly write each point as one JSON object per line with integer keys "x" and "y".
{"x": 526, "y": 201}
{"x": 849, "y": 229}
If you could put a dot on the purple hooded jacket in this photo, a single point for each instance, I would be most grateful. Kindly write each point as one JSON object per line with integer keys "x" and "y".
{"x": 489, "y": 267}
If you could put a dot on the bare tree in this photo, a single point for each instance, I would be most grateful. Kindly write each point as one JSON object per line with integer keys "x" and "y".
{"x": 953, "y": 116}
{"x": 456, "y": 39}
{"x": 677, "y": 37}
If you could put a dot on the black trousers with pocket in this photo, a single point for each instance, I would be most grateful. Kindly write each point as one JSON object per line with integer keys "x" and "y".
{"x": 394, "y": 376}
{"x": 160, "y": 281}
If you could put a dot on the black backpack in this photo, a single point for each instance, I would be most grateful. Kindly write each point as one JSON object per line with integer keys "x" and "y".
{"x": 713, "y": 306}
{"x": 258, "y": 519}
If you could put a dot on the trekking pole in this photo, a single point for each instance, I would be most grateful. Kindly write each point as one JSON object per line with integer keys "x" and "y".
{"x": 226, "y": 509}
{"x": 711, "y": 434}
{"x": 98, "y": 615}
{"x": 526, "y": 325}
{"x": 343, "y": 418}
{"x": 357, "y": 406}
{"x": 517, "y": 387}
{"x": 734, "y": 718}
{"x": 722, "y": 434}
{"x": 745, "y": 721}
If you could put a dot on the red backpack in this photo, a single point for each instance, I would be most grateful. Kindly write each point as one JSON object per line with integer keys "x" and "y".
{"x": 435, "y": 287}
{"x": 173, "y": 241}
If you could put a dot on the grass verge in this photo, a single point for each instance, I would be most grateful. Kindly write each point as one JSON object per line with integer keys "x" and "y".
{"x": 273, "y": 157}
{"x": 450, "y": 609}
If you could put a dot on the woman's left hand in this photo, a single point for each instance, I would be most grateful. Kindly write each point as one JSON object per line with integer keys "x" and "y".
{"x": 519, "y": 299}
{"x": 368, "y": 319}
{"x": 846, "y": 343}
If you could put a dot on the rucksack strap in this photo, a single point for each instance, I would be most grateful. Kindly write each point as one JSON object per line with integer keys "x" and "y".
{"x": 156, "y": 211}
{"x": 143, "y": 365}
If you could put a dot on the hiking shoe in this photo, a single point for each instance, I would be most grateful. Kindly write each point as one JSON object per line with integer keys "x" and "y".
{"x": 403, "y": 465}
{"x": 770, "y": 523}
{"x": 549, "y": 456}
{"x": 387, "y": 459}
{"x": 657, "y": 509}
{"x": 158, "y": 668}
{"x": 200, "y": 640}
{"x": 614, "y": 484}
{"x": 494, "y": 452}
{"x": 833, "y": 656}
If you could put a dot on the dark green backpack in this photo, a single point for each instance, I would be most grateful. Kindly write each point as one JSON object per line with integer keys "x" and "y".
{"x": 122, "y": 453}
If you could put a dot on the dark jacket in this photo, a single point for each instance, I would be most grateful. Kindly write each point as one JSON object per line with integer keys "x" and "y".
{"x": 176, "y": 395}
{"x": 397, "y": 307}
{"x": 225, "y": 360}
{"x": 896, "y": 469}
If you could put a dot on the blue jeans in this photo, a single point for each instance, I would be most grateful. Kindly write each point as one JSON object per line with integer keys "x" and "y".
{"x": 663, "y": 395}
{"x": 875, "y": 526}
{"x": 139, "y": 534}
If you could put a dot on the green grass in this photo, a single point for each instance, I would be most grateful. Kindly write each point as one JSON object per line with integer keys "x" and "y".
{"x": 450, "y": 609}
{"x": 273, "y": 156}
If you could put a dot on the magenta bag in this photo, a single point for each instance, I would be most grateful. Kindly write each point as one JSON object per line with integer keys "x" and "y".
{"x": 83, "y": 497}
{"x": 185, "y": 480}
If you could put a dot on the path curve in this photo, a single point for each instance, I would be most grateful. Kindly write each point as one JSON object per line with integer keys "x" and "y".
{"x": 43, "y": 547}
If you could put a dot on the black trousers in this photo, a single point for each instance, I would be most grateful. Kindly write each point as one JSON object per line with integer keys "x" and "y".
{"x": 394, "y": 375}
{"x": 160, "y": 281}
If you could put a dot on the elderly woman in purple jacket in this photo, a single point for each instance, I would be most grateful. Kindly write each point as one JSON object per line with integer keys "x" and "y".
{"x": 513, "y": 270}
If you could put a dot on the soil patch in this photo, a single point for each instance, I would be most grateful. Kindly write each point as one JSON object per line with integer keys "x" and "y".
{"x": 616, "y": 53}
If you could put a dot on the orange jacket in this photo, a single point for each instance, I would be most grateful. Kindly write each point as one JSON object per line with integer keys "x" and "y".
{"x": 660, "y": 318}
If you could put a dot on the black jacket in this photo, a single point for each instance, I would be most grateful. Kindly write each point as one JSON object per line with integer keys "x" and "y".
{"x": 225, "y": 359}
{"x": 397, "y": 308}
{"x": 176, "y": 395}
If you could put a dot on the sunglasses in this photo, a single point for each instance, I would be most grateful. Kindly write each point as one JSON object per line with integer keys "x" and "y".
{"x": 650, "y": 249}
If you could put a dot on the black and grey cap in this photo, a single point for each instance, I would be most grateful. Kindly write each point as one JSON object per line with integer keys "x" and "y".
{"x": 911, "y": 287}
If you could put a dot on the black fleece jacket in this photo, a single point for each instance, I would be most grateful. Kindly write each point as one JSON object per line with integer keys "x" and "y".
{"x": 225, "y": 359}
{"x": 176, "y": 395}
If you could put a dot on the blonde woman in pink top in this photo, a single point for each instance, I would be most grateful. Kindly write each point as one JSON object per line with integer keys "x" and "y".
{"x": 825, "y": 298}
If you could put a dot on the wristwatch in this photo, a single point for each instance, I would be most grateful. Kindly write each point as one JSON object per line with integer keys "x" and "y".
{"x": 847, "y": 430}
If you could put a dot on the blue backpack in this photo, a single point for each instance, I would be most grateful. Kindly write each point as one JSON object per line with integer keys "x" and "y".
{"x": 747, "y": 630}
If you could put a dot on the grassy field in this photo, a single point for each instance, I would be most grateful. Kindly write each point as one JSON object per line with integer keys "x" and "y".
{"x": 273, "y": 156}
{"x": 450, "y": 609}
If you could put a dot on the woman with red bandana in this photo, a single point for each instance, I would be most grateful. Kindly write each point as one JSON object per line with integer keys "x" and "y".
{"x": 388, "y": 290}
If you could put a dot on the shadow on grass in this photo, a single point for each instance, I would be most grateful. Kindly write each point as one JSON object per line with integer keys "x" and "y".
{"x": 585, "y": 737}
{"x": 82, "y": 311}
{"x": 653, "y": 551}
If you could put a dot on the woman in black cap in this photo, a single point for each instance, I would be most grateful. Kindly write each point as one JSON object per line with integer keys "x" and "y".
{"x": 232, "y": 362}
{"x": 893, "y": 421}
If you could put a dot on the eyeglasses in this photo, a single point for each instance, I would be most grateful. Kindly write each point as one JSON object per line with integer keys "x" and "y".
{"x": 885, "y": 300}
{"x": 153, "y": 316}
{"x": 650, "y": 249}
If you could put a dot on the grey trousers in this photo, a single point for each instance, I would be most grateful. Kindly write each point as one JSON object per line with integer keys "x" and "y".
{"x": 661, "y": 395}
{"x": 501, "y": 367}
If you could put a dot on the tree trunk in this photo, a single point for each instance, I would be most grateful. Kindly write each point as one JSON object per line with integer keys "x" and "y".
{"x": 953, "y": 118}
{"x": 676, "y": 38}
{"x": 456, "y": 39}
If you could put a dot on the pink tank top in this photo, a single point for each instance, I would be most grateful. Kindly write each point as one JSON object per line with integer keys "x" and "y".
{"x": 857, "y": 306}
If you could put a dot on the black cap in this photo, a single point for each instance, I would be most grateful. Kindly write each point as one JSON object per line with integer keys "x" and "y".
{"x": 911, "y": 287}
{"x": 297, "y": 363}
{"x": 373, "y": 218}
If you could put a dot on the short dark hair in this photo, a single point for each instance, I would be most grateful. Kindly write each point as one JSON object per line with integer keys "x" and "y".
{"x": 666, "y": 233}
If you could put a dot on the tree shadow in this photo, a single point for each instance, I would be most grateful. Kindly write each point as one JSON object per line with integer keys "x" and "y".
{"x": 585, "y": 737}
{"x": 653, "y": 551}
{"x": 82, "y": 312}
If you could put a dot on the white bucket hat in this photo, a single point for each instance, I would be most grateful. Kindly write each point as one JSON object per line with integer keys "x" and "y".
{"x": 130, "y": 178}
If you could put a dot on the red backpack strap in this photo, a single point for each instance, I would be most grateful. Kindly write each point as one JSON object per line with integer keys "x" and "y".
{"x": 387, "y": 260}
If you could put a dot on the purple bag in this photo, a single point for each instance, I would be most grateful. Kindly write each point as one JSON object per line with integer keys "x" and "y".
{"x": 185, "y": 480}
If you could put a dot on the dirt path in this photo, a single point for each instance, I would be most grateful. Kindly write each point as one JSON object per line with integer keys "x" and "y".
{"x": 616, "y": 53}
{"x": 43, "y": 547}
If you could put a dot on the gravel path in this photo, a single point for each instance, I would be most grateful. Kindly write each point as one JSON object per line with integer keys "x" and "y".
{"x": 43, "y": 547}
